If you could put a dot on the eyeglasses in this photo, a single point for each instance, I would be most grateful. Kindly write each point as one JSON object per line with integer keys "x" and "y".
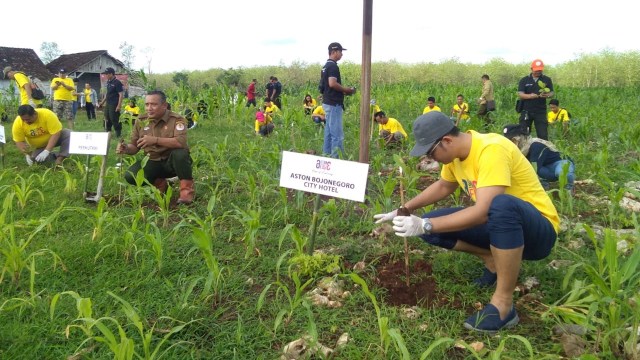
{"x": 433, "y": 149}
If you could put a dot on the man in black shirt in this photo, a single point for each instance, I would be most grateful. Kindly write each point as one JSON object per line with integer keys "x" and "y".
{"x": 113, "y": 99}
{"x": 333, "y": 101}
{"x": 533, "y": 91}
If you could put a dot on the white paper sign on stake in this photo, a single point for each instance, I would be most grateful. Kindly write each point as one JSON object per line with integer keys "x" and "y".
{"x": 89, "y": 143}
{"x": 325, "y": 176}
{"x": 3, "y": 139}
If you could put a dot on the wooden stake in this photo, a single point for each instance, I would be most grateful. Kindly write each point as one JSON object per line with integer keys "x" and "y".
{"x": 406, "y": 242}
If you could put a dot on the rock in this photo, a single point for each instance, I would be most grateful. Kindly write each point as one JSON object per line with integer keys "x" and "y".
{"x": 571, "y": 329}
{"x": 573, "y": 345}
{"x": 557, "y": 264}
{"x": 630, "y": 204}
{"x": 342, "y": 341}
{"x": 411, "y": 313}
{"x": 302, "y": 349}
{"x": 428, "y": 164}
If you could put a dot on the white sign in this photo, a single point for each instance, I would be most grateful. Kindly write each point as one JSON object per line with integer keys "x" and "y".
{"x": 2, "y": 138}
{"x": 325, "y": 176}
{"x": 89, "y": 143}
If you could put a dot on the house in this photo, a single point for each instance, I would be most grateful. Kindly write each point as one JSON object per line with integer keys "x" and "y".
{"x": 27, "y": 61}
{"x": 87, "y": 68}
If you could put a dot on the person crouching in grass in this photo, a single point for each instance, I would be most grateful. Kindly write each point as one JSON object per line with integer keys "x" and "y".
{"x": 264, "y": 123}
{"x": 36, "y": 132}
{"x": 389, "y": 129}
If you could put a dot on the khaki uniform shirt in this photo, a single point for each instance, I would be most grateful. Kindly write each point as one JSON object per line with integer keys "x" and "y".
{"x": 487, "y": 92}
{"x": 171, "y": 125}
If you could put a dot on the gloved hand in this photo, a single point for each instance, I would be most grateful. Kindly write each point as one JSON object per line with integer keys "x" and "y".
{"x": 28, "y": 158}
{"x": 32, "y": 103}
{"x": 406, "y": 226}
{"x": 385, "y": 217}
{"x": 42, "y": 156}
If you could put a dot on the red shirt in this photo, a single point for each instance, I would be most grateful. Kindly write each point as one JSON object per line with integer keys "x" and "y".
{"x": 251, "y": 91}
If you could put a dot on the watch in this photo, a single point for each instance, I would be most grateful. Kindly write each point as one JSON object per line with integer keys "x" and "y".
{"x": 427, "y": 226}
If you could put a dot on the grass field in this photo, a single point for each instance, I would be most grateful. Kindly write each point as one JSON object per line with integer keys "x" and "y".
{"x": 226, "y": 277}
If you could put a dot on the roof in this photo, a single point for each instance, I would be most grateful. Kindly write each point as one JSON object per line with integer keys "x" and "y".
{"x": 72, "y": 62}
{"x": 25, "y": 60}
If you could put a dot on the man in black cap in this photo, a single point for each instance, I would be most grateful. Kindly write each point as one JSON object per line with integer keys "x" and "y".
{"x": 63, "y": 88}
{"x": 512, "y": 219}
{"x": 113, "y": 100}
{"x": 333, "y": 101}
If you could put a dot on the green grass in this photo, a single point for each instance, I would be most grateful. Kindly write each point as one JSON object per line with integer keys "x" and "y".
{"x": 235, "y": 172}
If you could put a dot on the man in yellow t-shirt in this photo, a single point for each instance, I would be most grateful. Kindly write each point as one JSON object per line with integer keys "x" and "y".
{"x": 63, "y": 97}
{"x": 431, "y": 105}
{"x": 318, "y": 115}
{"x": 24, "y": 85}
{"x": 389, "y": 129}
{"x": 460, "y": 110}
{"x": 512, "y": 219}
{"x": 558, "y": 114}
{"x": 36, "y": 132}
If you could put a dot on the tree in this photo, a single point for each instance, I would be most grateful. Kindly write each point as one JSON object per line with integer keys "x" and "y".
{"x": 49, "y": 51}
{"x": 127, "y": 55}
{"x": 180, "y": 78}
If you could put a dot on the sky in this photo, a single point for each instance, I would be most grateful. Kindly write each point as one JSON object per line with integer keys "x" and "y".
{"x": 199, "y": 35}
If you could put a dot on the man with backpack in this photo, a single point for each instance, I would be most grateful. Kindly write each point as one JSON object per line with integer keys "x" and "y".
{"x": 25, "y": 86}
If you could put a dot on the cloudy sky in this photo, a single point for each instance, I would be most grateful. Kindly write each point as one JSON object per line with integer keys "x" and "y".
{"x": 197, "y": 35}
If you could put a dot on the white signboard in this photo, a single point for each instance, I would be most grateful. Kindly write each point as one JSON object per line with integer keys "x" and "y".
{"x": 2, "y": 138}
{"x": 89, "y": 143}
{"x": 325, "y": 176}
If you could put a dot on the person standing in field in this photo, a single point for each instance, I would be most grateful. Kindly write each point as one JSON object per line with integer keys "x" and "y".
{"x": 37, "y": 132}
{"x": 251, "y": 93}
{"x": 558, "y": 115}
{"x": 486, "y": 97}
{"x": 24, "y": 85}
{"x": 88, "y": 101}
{"x": 512, "y": 218}
{"x": 270, "y": 88}
{"x": 333, "y": 102}
{"x": 162, "y": 135}
{"x": 460, "y": 109}
{"x": 277, "y": 91}
{"x": 533, "y": 91}
{"x": 548, "y": 162}
{"x": 431, "y": 105}
{"x": 63, "y": 97}
{"x": 113, "y": 100}
{"x": 389, "y": 129}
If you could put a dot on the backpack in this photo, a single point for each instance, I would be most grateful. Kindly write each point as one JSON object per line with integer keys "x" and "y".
{"x": 36, "y": 93}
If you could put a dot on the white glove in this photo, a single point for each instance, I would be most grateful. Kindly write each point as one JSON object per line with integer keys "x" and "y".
{"x": 385, "y": 217}
{"x": 406, "y": 226}
{"x": 32, "y": 103}
{"x": 28, "y": 158}
{"x": 42, "y": 156}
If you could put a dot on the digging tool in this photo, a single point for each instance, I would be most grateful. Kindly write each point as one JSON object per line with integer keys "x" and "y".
{"x": 120, "y": 171}
{"x": 103, "y": 170}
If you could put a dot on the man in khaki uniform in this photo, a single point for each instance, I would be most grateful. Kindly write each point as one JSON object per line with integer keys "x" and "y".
{"x": 485, "y": 98}
{"x": 161, "y": 134}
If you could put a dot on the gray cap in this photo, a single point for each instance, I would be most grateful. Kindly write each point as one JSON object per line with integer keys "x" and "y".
{"x": 429, "y": 128}
{"x": 5, "y": 71}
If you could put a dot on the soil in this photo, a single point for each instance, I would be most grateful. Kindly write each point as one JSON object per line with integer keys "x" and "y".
{"x": 422, "y": 289}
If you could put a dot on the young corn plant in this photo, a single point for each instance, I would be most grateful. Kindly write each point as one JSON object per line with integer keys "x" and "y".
{"x": 154, "y": 238}
{"x": 127, "y": 242}
{"x": 163, "y": 201}
{"x": 250, "y": 220}
{"x": 24, "y": 190}
{"x": 482, "y": 354}
{"x": 214, "y": 283}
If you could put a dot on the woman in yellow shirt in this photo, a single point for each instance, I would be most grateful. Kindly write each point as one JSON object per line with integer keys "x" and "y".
{"x": 309, "y": 104}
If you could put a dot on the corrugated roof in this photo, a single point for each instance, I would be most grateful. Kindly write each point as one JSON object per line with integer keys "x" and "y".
{"x": 25, "y": 60}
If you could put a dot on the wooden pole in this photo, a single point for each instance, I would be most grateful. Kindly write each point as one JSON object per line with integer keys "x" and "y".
{"x": 365, "y": 83}
{"x": 406, "y": 242}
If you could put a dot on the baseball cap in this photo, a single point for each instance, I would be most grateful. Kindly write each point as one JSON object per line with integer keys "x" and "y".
{"x": 5, "y": 71}
{"x": 109, "y": 70}
{"x": 537, "y": 65}
{"x": 512, "y": 130}
{"x": 336, "y": 46}
{"x": 63, "y": 70}
{"x": 429, "y": 128}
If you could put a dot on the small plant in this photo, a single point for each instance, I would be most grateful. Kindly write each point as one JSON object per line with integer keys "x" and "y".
{"x": 214, "y": 283}
{"x": 24, "y": 190}
{"x": 250, "y": 220}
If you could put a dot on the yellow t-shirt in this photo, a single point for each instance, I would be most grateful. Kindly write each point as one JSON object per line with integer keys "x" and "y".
{"x": 392, "y": 126}
{"x": 561, "y": 115}
{"x": 495, "y": 161}
{"x": 61, "y": 93}
{"x": 465, "y": 111}
{"x": 272, "y": 109}
{"x": 37, "y": 134}
{"x": 313, "y": 104}
{"x": 427, "y": 109}
{"x": 135, "y": 111}
{"x": 21, "y": 80}
{"x": 87, "y": 95}
{"x": 267, "y": 119}
{"x": 318, "y": 111}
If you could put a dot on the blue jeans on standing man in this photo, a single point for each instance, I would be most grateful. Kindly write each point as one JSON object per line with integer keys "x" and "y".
{"x": 333, "y": 131}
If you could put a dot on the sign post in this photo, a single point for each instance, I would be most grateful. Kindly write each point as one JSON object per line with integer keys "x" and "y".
{"x": 91, "y": 143}
{"x": 323, "y": 176}
{"x": 3, "y": 140}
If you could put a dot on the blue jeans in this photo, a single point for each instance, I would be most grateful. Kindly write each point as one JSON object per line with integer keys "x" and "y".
{"x": 333, "y": 132}
{"x": 512, "y": 223}
{"x": 552, "y": 172}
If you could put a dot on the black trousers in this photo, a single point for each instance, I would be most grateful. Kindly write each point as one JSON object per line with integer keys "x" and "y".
{"x": 538, "y": 119}
{"x": 112, "y": 119}
{"x": 177, "y": 164}
{"x": 91, "y": 111}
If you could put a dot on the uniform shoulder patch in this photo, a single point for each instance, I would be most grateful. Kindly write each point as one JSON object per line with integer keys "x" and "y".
{"x": 179, "y": 126}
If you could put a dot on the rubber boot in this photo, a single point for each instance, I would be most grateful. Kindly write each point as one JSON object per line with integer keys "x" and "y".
{"x": 186, "y": 192}
{"x": 161, "y": 184}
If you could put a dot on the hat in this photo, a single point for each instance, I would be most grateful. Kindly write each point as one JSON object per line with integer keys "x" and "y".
{"x": 429, "y": 128}
{"x": 63, "y": 70}
{"x": 336, "y": 46}
{"x": 5, "y": 71}
{"x": 109, "y": 70}
{"x": 537, "y": 65}
{"x": 511, "y": 130}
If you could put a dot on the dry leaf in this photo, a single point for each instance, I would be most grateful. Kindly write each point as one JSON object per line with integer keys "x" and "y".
{"x": 477, "y": 345}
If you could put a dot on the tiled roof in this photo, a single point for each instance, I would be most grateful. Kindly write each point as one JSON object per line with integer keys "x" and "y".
{"x": 25, "y": 60}
{"x": 72, "y": 62}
